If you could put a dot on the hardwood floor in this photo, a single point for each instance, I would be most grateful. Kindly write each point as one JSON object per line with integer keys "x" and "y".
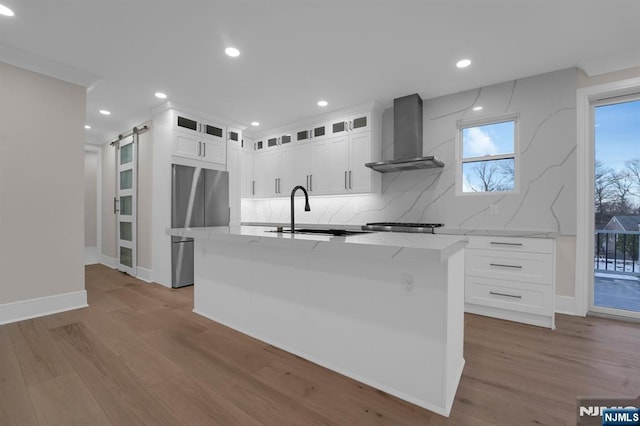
{"x": 138, "y": 355}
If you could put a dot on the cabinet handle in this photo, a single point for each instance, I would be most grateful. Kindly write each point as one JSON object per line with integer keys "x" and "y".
{"x": 275, "y": 184}
{"x": 350, "y": 186}
{"x": 310, "y": 133}
{"x": 115, "y": 209}
{"x": 346, "y": 126}
{"x": 505, "y": 295}
{"x": 350, "y": 124}
{"x": 499, "y": 243}
{"x": 310, "y": 182}
{"x": 199, "y": 149}
{"x": 253, "y": 187}
{"x": 506, "y": 266}
{"x": 204, "y": 149}
{"x": 345, "y": 180}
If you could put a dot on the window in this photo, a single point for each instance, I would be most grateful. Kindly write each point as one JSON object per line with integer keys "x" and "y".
{"x": 488, "y": 161}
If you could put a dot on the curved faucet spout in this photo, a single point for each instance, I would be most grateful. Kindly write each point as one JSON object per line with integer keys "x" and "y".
{"x": 307, "y": 208}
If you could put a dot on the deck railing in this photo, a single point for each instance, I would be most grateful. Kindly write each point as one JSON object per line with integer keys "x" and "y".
{"x": 617, "y": 252}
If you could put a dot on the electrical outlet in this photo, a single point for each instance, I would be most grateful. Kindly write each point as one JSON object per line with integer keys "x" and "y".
{"x": 407, "y": 281}
{"x": 493, "y": 209}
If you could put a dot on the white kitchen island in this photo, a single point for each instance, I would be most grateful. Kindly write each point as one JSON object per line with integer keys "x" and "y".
{"x": 383, "y": 308}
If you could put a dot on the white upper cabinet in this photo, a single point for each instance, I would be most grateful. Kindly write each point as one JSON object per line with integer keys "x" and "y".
{"x": 311, "y": 167}
{"x": 348, "y": 154}
{"x": 327, "y": 158}
{"x": 199, "y": 139}
{"x": 354, "y": 123}
{"x": 273, "y": 172}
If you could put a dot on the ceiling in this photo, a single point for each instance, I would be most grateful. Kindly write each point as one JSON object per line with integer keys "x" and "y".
{"x": 296, "y": 52}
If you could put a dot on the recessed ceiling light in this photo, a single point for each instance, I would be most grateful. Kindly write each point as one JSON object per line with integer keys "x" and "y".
{"x": 478, "y": 108}
{"x": 463, "y": 63}
{"x": 105, "y": 112}
{"x": 323, "y": 103}
{"x": 161, "y": 95}
{"x": 232, "y": 51}
{"x": 4, "y": 10}
{"x": 255, "y": 123}
{"x": 86, "y": 126}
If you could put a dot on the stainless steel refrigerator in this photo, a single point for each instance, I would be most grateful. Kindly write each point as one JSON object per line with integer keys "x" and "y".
{"x": 199, "y": 197}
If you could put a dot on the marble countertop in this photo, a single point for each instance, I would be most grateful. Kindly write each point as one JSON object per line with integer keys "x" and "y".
{"x": 397, "y": 245}
{"x": 440, "y": 231}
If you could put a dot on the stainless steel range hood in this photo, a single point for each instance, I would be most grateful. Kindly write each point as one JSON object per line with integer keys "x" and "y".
{"x": 407, "y": 139}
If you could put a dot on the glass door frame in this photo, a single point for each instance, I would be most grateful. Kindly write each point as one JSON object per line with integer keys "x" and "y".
{"x": 585, "y": 206}
{"x": 593, "y": 308}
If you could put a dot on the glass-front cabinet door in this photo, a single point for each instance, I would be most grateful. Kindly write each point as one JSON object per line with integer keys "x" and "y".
{"x": 126, "y": 206}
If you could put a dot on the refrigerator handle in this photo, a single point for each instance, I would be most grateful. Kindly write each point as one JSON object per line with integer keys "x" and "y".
{"x": 115, "y": 207}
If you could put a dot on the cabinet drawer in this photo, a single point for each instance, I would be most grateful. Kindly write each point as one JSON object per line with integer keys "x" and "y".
{"x": 535, "y": 245}
{"x": 508, "y": 265}
{"x": 511, "y": 295}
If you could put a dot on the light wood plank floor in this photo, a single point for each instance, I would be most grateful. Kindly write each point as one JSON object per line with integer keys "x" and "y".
{"x": 138, "y": 355}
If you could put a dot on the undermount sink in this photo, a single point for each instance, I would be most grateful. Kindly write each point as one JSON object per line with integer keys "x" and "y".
{"x": 323, "y": 231}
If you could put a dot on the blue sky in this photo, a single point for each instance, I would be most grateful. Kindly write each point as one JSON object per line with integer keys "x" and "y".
{"x": 490, "y": 139}
{"x": 617, "y": 133}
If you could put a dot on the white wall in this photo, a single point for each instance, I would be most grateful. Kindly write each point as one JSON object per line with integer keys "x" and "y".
{"x": 546, "y": 201}
{"x": 108, "y": 192}
{"x": 546, "y": 105}
{"x": 41, "y": 187}
{"x": 90, "y": 199}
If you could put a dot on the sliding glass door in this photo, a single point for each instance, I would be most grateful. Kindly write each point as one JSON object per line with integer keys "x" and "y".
{"x": 616, "y": 288}
{"x": 126, "y": 218}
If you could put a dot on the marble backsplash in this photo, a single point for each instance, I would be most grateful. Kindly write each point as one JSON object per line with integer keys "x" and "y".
{"x": 546, "y": 199}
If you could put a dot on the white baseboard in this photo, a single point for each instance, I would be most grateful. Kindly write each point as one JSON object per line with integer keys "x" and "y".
{"x": 565, "y": 305}
{"x": 143, "y": 274}
{"x": 111, "y": 262}
{"x": 41, "y": 306}
{"x": 91, "y": 256}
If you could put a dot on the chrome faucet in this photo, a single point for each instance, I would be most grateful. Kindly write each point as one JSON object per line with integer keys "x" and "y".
{"x": 307, "y": 208}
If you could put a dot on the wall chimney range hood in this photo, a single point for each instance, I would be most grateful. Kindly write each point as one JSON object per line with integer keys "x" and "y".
{"x": 407, "y": 139}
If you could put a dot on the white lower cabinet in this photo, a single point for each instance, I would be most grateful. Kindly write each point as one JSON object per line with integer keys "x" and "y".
{"x": 511, "y": 278}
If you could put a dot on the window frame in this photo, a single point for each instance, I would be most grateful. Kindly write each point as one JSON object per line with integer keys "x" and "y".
{"x": 460, "y": 161}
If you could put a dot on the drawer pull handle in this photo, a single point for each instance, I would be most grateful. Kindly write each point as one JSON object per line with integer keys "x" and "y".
{"x": 506, "y": 266}
{"x": 499, "y": 243}
{"x": 504, "y": 294}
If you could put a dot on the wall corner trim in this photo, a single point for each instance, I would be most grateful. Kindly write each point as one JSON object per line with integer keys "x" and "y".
{"x": 143, "y": 274}
{"x": 91, "y": 256}
{"x": 111, "y": 262}
{"x": 41, "y": 306}
{"x": 566, "y": 305}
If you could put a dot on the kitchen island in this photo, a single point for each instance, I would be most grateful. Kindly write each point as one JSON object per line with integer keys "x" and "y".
{"x": 383, "y": 308}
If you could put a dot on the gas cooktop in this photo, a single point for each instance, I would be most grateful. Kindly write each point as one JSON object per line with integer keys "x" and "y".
{"x": 425, "y": 228}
